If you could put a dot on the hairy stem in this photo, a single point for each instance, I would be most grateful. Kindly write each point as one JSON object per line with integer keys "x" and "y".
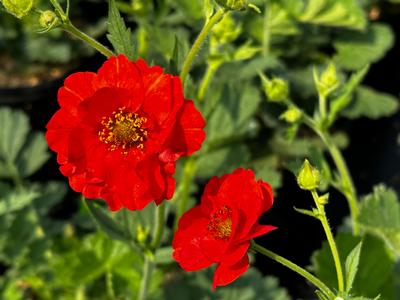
{"x": 205, "y": 82}
{"x": 148, "y": 268}
{"x": 71, "y": 29}
{"x": 189, "y": 170}
{"x": 299, "y": 270}
{"x": 198, "y": 42}
{"x": 347, "y": 184}
{"x": 331, "y": 241}
{"x": 159, "y": 226}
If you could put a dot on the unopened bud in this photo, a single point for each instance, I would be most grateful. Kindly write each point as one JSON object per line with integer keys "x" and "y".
{"x": 142, "y": 234}
{"x": 328, "y": 81}
{"x": 226, "y": 31}
{"x": 309, "y": 177}
{"x": 233, "y": 4}
{"x": 276, "y": 89}
{"x": 291, "y": 115}
{"x": 329, "y": 76}
{"x": 48, "y": 19}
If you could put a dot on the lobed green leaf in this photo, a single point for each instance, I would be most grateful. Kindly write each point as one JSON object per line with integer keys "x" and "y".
{"x": 119, "y": 35}
{"x": 380, "y": 216}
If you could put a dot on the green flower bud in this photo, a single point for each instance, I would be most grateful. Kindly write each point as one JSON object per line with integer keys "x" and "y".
{"x": 233, "y": 4}
{"x": 48, "y": 19}
{"x": 329, "y": 77}
{"x": 226, "y": 31}
{"x": 18, "y": 8}
{"x": 142, "y": 234}
{"x": 291, "y": 115}
{"x": 276, "y": 89}
{"x": 309, "y": 177}
{"x": 328, "y": 81}
{"x": 323, "y": 200}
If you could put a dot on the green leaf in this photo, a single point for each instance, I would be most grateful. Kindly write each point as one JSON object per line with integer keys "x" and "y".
{"x": 33, "y": 155}
{"x": 266, "y": 168}
{"x": 176, "y": 58}
{"x": 344, "y": 98}
{"x": 337, "y": 13}
{"x": 50, "y": 193}
{"x": 222, "y": 161}
{"x": 120, "y": 37}
{"x": 380, "y": 216}
{"x": 234, "y": 110}
{"x": 18, "y": 8}
{"x": 164, "y": 255}
{"x": 13, "y": 200}
{"x": 106, "y": 222}
{"x": 371, "y": 104}
{"x": 249, "y": 286}
{"x": 14, "y": 128}
{"x": 19, "y": 235}
{"x": 279, "y": 20}
{"x": 357, "y": 49}
{"x": 374, "y": 269}
{"x": 351, "y": 266}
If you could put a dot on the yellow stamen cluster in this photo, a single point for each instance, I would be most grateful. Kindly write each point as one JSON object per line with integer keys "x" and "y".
{"x": 123, "y": 130}
{"x": 220, "y": 225}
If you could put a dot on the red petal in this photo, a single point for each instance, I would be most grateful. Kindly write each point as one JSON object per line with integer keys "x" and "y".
{"x": 188, "y": 134}
{"x": 268, "y": 195}
{"x": 191, "y": 229}
{"x": 121, "y": 73}
{"x": 161, "y": 100}
{"x": 259, "y": 230}
{"x": 235, "y": 253}
{"x": 225, "y": 274}
{"x": 77, "y": 87}
{"x": 59, "y": 129}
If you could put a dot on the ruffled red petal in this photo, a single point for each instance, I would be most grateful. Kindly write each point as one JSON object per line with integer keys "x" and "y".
{"x": 186, "y": 243}
{"x": 77, "y": 88}
{"x": 225, "y": 274}
{"x": 188, "y": 134}
{"x": 119, "y": 72}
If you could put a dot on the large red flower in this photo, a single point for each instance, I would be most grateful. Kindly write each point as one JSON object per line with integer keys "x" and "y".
{"x": 220, "y": 229}
{"x": 120, "y": 131}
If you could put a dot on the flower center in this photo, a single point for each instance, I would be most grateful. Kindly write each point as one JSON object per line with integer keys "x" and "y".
{"x": 123, "y": 131}
{"x": 220, "y": 225}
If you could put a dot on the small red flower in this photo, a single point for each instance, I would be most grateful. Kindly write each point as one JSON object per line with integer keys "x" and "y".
{"x": 120, "y": 131}
{"x": 220, "y": 229}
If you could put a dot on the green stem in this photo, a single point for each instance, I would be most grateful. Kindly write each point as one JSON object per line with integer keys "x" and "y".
{"x": 205, "y": 82}
{"x": 189, "y": 170}
{"x": 198, "y": 42}
{"x": 331, "y": 241}
{"x": 109, "y": 284}
{"x": 14, "y": 174}
{"x": 267, "y": 32}
{"x": 299, "y": 270}
{"x": 71, "y": 29}
{"x": 348, "y": 188}
{"x": 149, "y": 263}
{"x": 322, "y": 106}
{"x": 159, "y": 226}
{"x": 148, "y": 268}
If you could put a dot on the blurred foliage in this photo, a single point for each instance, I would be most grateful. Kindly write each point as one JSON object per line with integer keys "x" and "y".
{"x": 26, "y": 51}
{"x": 48, "y": 258}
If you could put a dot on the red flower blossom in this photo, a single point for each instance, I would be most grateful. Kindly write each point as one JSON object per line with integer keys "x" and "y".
{"x": 120, "y": 131}
{"x": 219, "y": 230}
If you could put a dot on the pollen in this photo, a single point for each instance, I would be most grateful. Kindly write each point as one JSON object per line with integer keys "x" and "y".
{"x": 220, "y": 225}
{"x": 123, "y": 131}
